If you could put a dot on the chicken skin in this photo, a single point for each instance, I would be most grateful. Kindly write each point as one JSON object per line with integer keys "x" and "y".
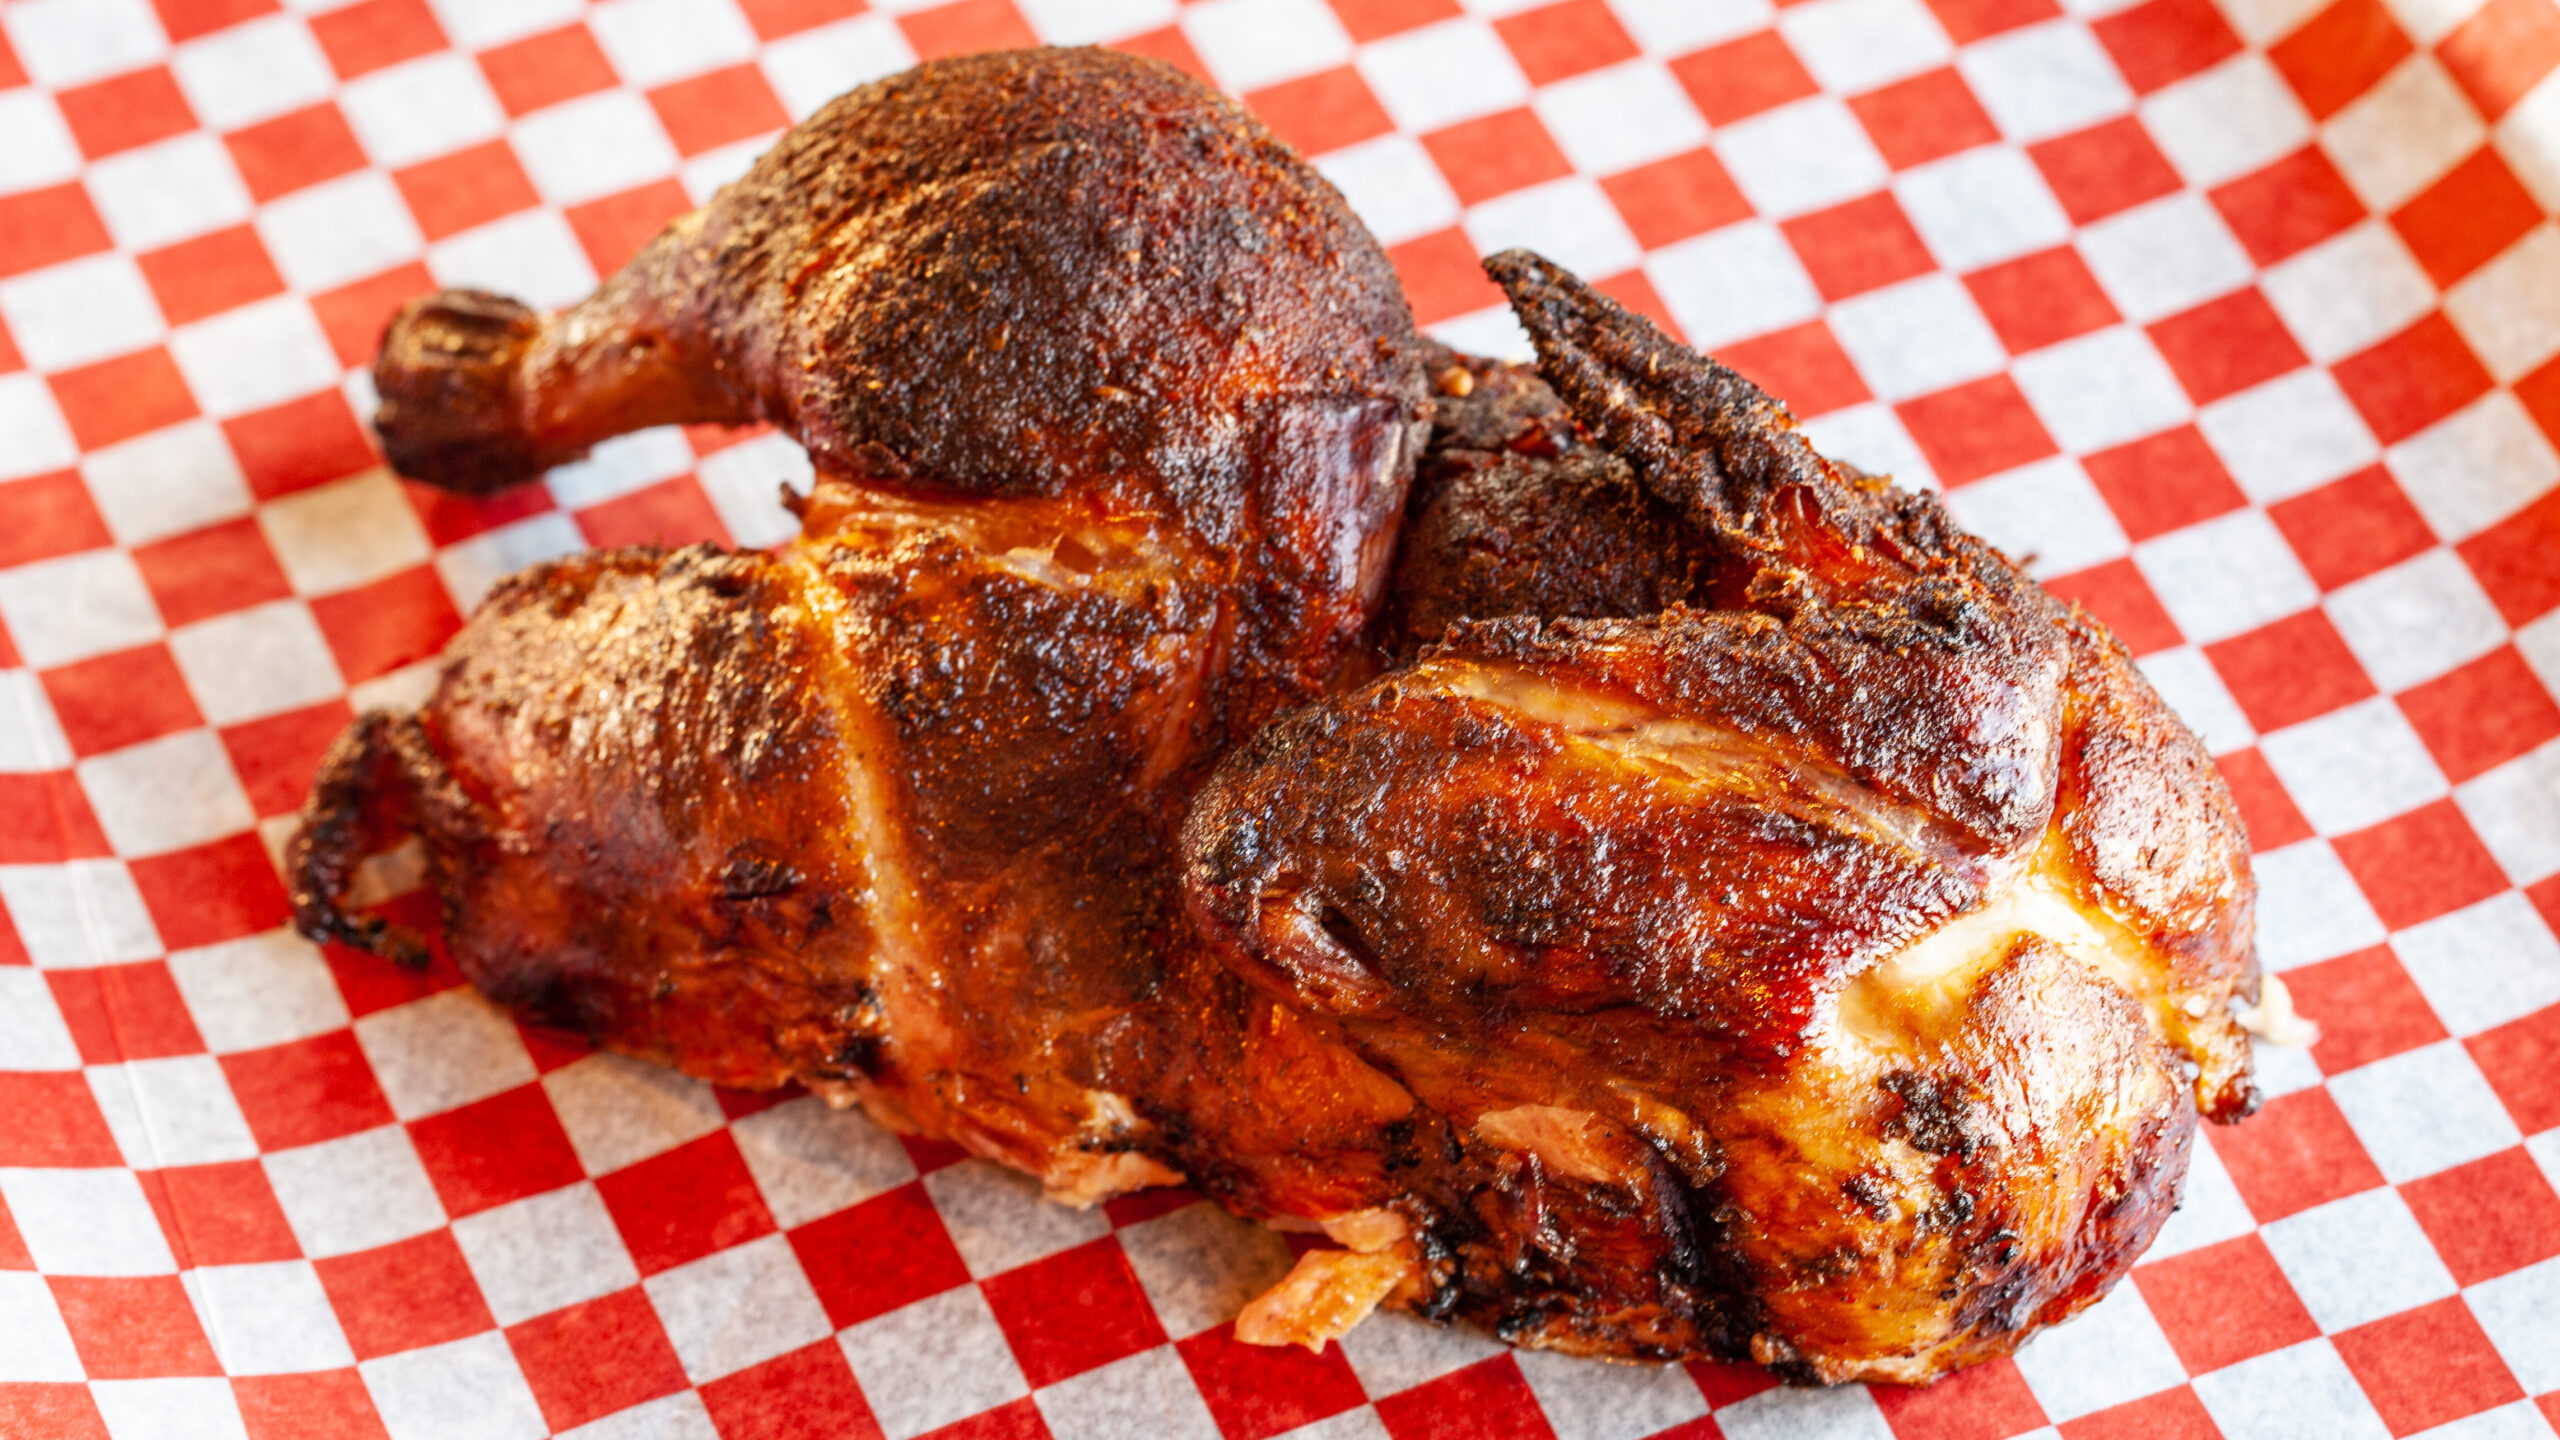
{"x": 1829, "y": 968}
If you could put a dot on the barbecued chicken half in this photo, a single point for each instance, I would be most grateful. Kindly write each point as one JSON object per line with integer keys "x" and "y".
{"x": 1818, "y": 947}
{"x": 1113, "y": 405}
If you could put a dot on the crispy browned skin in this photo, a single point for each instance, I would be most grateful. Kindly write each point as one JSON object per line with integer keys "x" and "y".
{"x": 1113, "y": 404}
{"x": 1811, "y": 971}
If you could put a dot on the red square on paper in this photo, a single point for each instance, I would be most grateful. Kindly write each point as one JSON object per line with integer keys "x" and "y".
{"x": 185, "y": 20}
{"x": 211, "y": 893}
{"x": 2502, "y": 51}
{"x": 130, "y": 110}
{"x": 2294, "y": 670}
{"x": 83, "y": 1008}
{"x": 142, "y": 1005}
{"x": 1556, "y": 42}
{"x": 450, "y": 518}
{"x": 1668, "y": 200}
{"x": 54, "y": 1121}
{"x": 670, "y": 513}
{"x": 2224, "y": 1304}
{"x": 1803, "y": 366}
{"x": 13, "y": 1247}
{"x": 52, "y": 1411}
{"x": 277, "y": 157}
{"x": 969, "y": 25}
{"x": 2041, "y": 299}
{"x": 2412, "y": 380}
{"x": 402, "y": 1297}
{"x": 2161, "y": 42}
{"x": 1987, "y": 1402}
{"x": 2418, "y": 866}
{"x": 2339, "y": 54}
{"x": 2427, "y": 1367}
{"x": 686, "y": 1203}
{"x": 376, "y": 34}
{"x": 774, "y": 19}
{"x": 210, "y": 274}
{"x": 1441, "y": 276}
{"x": 10, "y": 360}
{"x": 2163, "y": 482}
{"x": 1495, "y": 155}
{"x": 1979, "y": 428}
{"x": 452, "y": 193}
{"x": 118, "y": 399}
{"x": 808, "y": 1394}
{"x": 2295, "y": 1153}
{"x": 2482, "y": 715}
{"x": 139, "y": 1328}
{"x": 276, "y": 757}
{"x": 596, "y": 1357}
{"x": 2512, "y": 560}
{"x": 54, "y": 822}
{"x": 333, "y": 1403}
{"x": 306, "y": 1091}
{"x": 888, "y": 1251}
{"x": 1170, "y": 45}
{"x": 2105, "y": 169}
{"x": 2170, "y": 1415}
{"x": 492, "y": 1151}
{"x": 1741, "y": 78}
{"x": 1924, "y": 118}
{"x": 298, "y": 444}
{"x": 2265, "y": 807}
{"x": 2462, "y": 221}
{"x": 1322, "y": 112}
{"x": 377, "y": 628}
{"x": 124, "y": 698}
{"x": 2366, "y": 1006}
{"x": 47, "y": 227}
{"x": 1634, "y": 289}
{"x": 1073, "y": 1311}
{"x": 49, "y": 515}
{"x": 1969, "y": 20}
{"x": 719, "y": 107}
{"x": 2490, "y": 1217}
{"x": 1259, "y": 1390}
{"x": 2117, "y": 595}
{"x": 2522, "y": 1062}
{"x": 355, "y": 316}
{"x": 613, "y": 229}
{"x": 2225, "y": 346}
{"x": 2350, "y": 528}
{"x": 228, "y": 1214}
{"x": 2288, "y": 206}
{"x": 545, "y": 69}
{"x": 370, "y": 983}
{"x": 1485, "y": 1401}
{"x": 1863, "y": 245}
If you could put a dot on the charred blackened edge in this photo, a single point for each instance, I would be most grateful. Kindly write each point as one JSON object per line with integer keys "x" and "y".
{"x": 372, "y": 785}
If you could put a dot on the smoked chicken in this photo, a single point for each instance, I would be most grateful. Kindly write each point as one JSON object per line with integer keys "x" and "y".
{"x": 1711, "y": 907}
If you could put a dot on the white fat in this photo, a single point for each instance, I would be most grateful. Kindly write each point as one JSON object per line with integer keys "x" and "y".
{"x": 1572, "y": 1143}
{"x": 2274, "y": 1019}
{"x": 1367, "y": 1231}
{"x": 1936, "y": 973}
{"x": 1327, "y": 1293}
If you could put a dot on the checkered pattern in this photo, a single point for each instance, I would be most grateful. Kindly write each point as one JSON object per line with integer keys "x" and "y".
{"x": 2240, "y": 322}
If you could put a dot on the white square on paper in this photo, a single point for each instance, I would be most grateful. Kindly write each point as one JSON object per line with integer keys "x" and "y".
{"x": 255, "y": 356}
{"x": 2044, "y": 80}
{"x": 2515, "y": 809}
{"x": 2416, "y": 620}
{"x": 479, "y": 24}
{"x": 2163, "y": 257}
{"x": 619, "y": 1111}
{"x": 272, "y": 1319}
{"x": 2475, "y": 467}
{"x": 2521, "y": 1312}
{"x": 933, "y": 1362}
{"x": 257, "y": 991}
{"x": 1800, "y": 157}
{"x": 593, "y": 146}
{"x": 472, "y": 568}
{"x": 171, "y": 191}
{"x": 997, "y": 1219}
{"x": 63, "y": 43}
{"x": 2221, "y": 124}
{"x": 188, "y": 1111}
{"x": 2483, "y": 965}
{"x": 745, "y": 485}
{"x": 1872, "y": 437}
{"x": 1980, "y": 207}
{"x": 1149, "y": 1393}
{"x": 1093, "y": 22}
{"x": 338, "y": 536}
{"x": 2424, "y": 1110}
{"x": 77, "y": 915}
{"x": 1569, "y": 221}
{"x": 81, "y": 311}
{"x": 623, "y": 464}
{"x": 1199, "y": 1265}
{"x": 533, "y": 256}
{"x": 2288, "y": 436}
{"x": 2521, "y": 138}
{"x": 2047, "y": 516}
{"x": 2195, "y": 691}
{"x": 2101, "y": 390}
{"x": 261, "y": 661}
{"x": 2209, "y": 1211}
{"x": 468, "y": 1389}
{"x": 811, "y": 1159}
{"x": 2509, "y": 309}
{"x": 1620, "y": 117}
{"x": 86, "y": 1222}
{"x": 31, "y": 739}
{"x": 419, "y": 110}
{"x": 354, "y": 1193}
{"x": 1584, "y": 1401}
{"x": 2353, "y": 290}
{"x": 77, "y": 606}
{"x": 1855, "y": 45}
{"x": 242, "y": 74}
{"x": 749, "y": 1303}
{"x": 1846, "y": 1413}
{"x": 536, "y": 1255}
{"x": 2303, "y": 1390}
{"x": 166, "y": 794}
{"x": 36, "y": 148}
{"x": 1917, "y": 337}
{"x": 2225, "y": 576}
{"x": 339, "y": 231}
{"x": 35, "y": 1346}
{"x": 2402, "y": 135}
{"x": 446, "y": 1050}
{"x": 2310, "y": 908}
{"x": 1732, "y": 284}
{"x": 1676, "y": 27}
{"x": 651, "y": 42}
{"x": 32, "y": 1035}
{"x": 2110, "y": 1353}
{"x": 166, "y": 483}
{"x": 1431, "y": 77}
{"x": 1394, "y": 187}
{"x": 2354, "y": 767}
{"x": 194, "y": 1408}
{"x": 2358, "y": 1259}
{"x": 815, "y": 66}
{"x": 33, "y": 438}
{"x": 1248, "y": 44}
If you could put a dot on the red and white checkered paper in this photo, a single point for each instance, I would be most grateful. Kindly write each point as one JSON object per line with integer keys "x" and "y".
{"x": 2241, "y": 321}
